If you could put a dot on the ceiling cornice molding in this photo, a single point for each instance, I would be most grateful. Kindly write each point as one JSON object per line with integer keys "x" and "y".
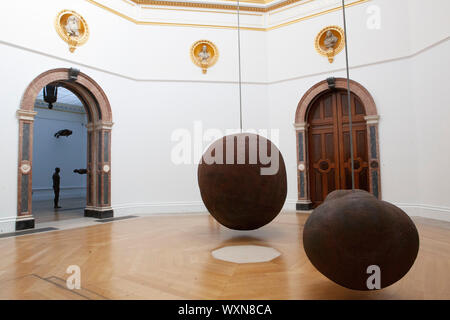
{"x": 258, "y": 5}
{"x": 293, "y": 4}
{"x": 248, "y": 2}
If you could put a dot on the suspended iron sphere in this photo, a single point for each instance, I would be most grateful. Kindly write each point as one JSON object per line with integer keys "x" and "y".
{"x": 351, "y": 231}
{"x": 239, "y": 186}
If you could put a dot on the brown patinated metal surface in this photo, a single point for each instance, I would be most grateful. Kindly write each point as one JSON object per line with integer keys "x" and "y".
{"x": 236, "y": 194}
{"x": 353, "y": 230}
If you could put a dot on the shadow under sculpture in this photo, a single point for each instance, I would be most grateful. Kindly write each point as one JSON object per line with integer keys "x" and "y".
{"x": 352, "y": 231}
{"x": 242, "y": 181}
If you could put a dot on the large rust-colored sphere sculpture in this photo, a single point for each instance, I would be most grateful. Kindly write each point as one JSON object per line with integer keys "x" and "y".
{"x": 352, "y": 231}
{"x": 242, "y": 184}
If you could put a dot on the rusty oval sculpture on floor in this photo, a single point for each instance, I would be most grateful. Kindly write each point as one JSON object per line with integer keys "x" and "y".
{"x": 352, "y": 231}
{"x": 239, "y": 185}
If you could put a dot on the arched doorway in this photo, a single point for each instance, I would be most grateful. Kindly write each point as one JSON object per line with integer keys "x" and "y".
{"x": 99, "y": 128}
{"x": 323, "y": 148}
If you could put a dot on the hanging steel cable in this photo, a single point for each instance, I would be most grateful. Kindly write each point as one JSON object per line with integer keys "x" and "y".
{"x": 348, "y": 99}
{"x": 239, "y": 63}
{"x": 352, "y": 232}
{"x": 242, "y": 195}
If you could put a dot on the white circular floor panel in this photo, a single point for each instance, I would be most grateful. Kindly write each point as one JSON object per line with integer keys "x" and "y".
{"x": 246, "y": 254}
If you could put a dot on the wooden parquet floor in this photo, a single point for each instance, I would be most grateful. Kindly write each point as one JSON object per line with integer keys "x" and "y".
{"x": 169, "y": 257}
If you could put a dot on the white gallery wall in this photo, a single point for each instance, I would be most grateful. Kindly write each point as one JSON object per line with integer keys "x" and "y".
{"x": 402, "y": 65}
{"x": 153, "y": 87}
{"x": 154, "y": 90}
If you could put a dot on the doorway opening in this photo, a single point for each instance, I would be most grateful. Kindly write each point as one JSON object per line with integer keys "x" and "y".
{"x": 97, "y": 121}
{"x": 60, "y": 141}
{"x": 323, "y": 142}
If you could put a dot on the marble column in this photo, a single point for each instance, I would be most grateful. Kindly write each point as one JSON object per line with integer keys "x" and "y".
{"x": 304, "y": 200}
{"x": 374, "y": 155}
{"x": 99, "y": 166}
{"x": 25, "y": 219}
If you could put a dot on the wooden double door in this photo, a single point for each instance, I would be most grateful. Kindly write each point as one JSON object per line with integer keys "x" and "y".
{"x": 329, "y": 145}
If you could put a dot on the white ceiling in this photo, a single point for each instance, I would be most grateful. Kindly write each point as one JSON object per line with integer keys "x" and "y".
{"x": 64, "y": 96}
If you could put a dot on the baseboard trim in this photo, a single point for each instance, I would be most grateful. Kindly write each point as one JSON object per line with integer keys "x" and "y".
{"x": 413, "y": 210}
{"x": 15, "y": 223}
{"x": 8, "y": 224}
{"x": 98, "y": 214}
{"x": 159, "y": 208}
{"x": 425, "y": 211}
{"x": 176, "y": 208}
{"x": 303, "y": 206}
{"x": 24, "y": 224}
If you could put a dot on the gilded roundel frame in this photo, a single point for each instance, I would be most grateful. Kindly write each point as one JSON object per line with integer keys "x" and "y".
{"x": 82, "y": 30}
{"x": 330, "y": 53}
{"x": 211, "y": 49}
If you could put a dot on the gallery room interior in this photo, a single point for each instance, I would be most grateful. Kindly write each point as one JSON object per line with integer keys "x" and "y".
{"x": 224, "y": 149}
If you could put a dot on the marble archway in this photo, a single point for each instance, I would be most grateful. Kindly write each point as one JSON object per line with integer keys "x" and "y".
{"x": 301, "y": 130}
{"x": 99, "y": 128}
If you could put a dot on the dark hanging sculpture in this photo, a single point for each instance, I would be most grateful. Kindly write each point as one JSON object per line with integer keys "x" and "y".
{"x": 352, "y": 235}
{"x": 356, "y": 240}
{"x": 351, "y": 231}
{"x": 80, "y": 171}
{"x": 50, "y": 95}
{"x": 241, "y": 196}
{"x": 63, "y": 133}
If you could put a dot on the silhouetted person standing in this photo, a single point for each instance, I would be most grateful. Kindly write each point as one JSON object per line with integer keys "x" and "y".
{"x": 56, "y": 180}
